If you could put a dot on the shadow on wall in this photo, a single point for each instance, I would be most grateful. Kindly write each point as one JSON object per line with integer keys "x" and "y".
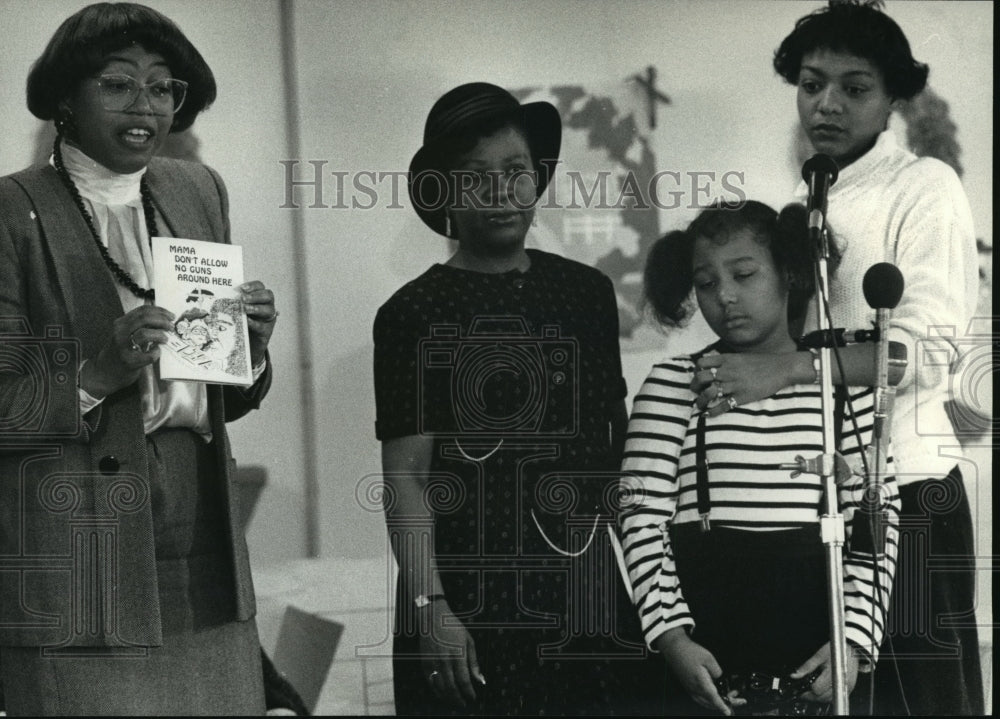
{"x": 406, "y": 261}
{"x": 350, "y": 461}
{"x": 45, "y": 136}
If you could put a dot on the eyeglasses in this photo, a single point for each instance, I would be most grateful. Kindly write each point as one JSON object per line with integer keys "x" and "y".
{"x": 120, "y": 92}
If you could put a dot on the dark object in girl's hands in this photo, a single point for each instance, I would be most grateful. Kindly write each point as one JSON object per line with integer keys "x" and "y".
{"x": 765, "y": 693}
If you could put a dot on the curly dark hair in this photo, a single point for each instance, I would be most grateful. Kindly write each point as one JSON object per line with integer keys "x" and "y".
{"x": 860, "y": 30}
{"x": 668, "y": 278}
{"x": 79, "y": 47}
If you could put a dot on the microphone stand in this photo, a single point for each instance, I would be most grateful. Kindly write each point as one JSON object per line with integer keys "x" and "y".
{"x": 832, "y": 522}
{"x": 883, "y": 288}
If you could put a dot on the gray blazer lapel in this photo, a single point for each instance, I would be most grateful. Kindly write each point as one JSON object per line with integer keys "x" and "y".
{"x": 87, "y": 286}
{"x": 182, "y": 203}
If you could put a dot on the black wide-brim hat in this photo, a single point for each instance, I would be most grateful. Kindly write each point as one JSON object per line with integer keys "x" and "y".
{"x": 460, "y": 113}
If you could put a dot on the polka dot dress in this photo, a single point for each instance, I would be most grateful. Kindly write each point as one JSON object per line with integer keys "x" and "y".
{"x": 516, "y": 376}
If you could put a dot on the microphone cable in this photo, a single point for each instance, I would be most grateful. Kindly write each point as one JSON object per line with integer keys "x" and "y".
{"x": 877, "y": 598}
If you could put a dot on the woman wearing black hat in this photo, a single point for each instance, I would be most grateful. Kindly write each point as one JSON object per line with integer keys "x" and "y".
{"x": 126, "y": 582}
{"x": 500, "y": 407}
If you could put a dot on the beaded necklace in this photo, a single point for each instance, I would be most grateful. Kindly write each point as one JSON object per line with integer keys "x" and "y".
{"x": 123, "y": 277}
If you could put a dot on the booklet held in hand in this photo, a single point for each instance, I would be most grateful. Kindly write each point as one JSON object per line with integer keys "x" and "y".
{"x": 199, "y": 282}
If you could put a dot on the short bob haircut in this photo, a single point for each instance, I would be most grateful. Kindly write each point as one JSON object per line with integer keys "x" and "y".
{"x": 79, "y": 47}
{"x": 859, "y": 30}
{"x": 668, "y": 278}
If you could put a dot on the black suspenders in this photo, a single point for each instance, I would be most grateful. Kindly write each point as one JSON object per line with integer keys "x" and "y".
{"x": 701, "y": 474}
{"x": 701, "y": 455}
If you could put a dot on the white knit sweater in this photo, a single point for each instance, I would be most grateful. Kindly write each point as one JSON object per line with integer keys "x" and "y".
{"x": 891, "y": 206}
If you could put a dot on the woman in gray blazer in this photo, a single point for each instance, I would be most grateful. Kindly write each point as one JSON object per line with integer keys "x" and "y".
{"x": 124, "y": 581}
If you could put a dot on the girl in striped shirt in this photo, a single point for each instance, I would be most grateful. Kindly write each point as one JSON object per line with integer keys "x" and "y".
{"x": 723, "y": 546}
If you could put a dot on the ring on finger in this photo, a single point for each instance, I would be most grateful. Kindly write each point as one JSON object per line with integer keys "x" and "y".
{"x": 719, "y": 394}
{"x": 731, "y": 401}
{"x": 133, "y": 343}
{"x": 430, "y": 677}
{"x": 714, "y": 371}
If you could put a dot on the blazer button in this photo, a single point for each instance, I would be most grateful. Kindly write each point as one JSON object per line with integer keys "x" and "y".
{"x": 108, "y": 464}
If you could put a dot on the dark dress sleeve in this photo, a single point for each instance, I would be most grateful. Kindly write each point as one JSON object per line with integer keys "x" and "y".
{"x": 616, "y": 385}
{"x": 396, "y": 368}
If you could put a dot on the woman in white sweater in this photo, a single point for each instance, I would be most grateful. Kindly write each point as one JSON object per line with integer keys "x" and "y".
{"x": 723, "y": 546}
{"x": 852, "y": 65}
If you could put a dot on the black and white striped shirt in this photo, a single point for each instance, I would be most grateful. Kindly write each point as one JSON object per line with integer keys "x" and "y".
{"x": 748, "y": 491}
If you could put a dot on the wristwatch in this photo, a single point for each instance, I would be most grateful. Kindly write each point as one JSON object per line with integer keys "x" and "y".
{"x": 424, "y": 600}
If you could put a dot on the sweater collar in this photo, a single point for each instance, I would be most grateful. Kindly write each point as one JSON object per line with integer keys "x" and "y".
{"x": 96, "y": 182}
{"x": 884, "y": 147}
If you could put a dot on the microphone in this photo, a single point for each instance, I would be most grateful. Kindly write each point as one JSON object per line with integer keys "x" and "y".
{"x": 837, "y": 338}
{"x": 883, "y": 288}
{"x": 820, "y": 172}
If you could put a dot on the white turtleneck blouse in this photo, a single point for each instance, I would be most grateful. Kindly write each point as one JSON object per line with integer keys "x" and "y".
{"x": 114, "y": 202}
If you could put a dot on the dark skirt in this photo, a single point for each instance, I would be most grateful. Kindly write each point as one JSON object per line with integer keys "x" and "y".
{"x": 930, "y": 664}
{"x": 208, "y": 663}
{"x": 583, "y": 656}
{"x": 554, "y": 634}
{"x": 759, "y": 600}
